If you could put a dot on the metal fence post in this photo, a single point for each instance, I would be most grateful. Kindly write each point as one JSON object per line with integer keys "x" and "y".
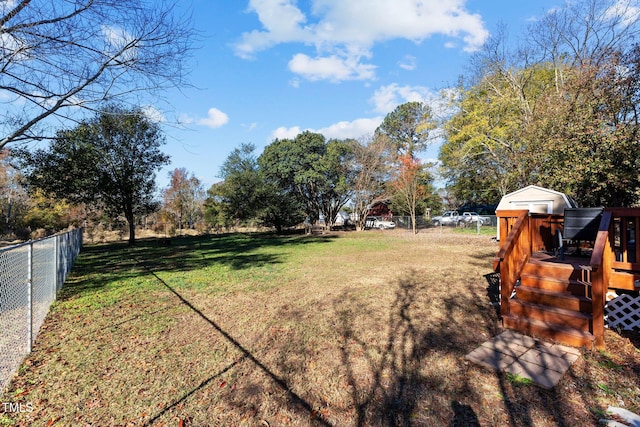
{"x": 56, "y": 263}
{"x": 30, "y": 295}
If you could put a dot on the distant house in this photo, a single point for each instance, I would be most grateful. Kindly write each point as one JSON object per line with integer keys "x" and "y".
{"x": 342, "y": 219}
{"x": 380, "y": 209}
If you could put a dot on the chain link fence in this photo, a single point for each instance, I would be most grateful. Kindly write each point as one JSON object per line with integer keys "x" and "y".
{"x": 404, "y": 222}
{"x": 30, "y": 276}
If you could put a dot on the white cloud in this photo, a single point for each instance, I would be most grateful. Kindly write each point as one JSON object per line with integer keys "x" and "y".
{"x": 331, "y": 68}
{"x": 285, "y": 133}
{"x": 250, "y": 126}
{"x": 295, "y": 83}
{"x": 387, "y": 98}
{"x": 344, "y": 32}
{"x": 408, "y": 63}
{"x": 7, "y": 5}
{"x": 185, "y": 119}
{"x": 153, "y": 114}
{"x": 624, "y": 11}
{"x": 341, "y": 130}
{"x": 119, "y": 42}
{"x": 282, "y": 22}
{"x": 352, "y": 129}
{"x": 215, "y": 119}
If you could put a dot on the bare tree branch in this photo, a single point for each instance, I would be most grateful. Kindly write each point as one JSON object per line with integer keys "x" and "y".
{"x": 60, "y": 59}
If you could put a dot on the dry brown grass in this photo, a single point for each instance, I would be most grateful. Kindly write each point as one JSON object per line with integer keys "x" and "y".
{"x": 350, "y": 329}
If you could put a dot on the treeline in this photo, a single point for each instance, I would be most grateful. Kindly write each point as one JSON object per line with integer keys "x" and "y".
{"x": 308, "y": 178}
{"x": 101, "y": 173}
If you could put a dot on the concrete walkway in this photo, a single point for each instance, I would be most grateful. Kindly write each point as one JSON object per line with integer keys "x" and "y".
{"x": 543, "y": 363}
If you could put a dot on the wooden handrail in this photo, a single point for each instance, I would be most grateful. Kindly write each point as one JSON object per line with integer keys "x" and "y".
{"x": 507, "y": 246}
{"x": 514, "y": 253}
{"x": 602, "y": 239}
{"x": 601, "y": 260}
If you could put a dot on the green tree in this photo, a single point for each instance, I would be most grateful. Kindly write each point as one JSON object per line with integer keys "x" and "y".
{"x": 311, "y": 168}
{"x": 247, "y": 194}
{"x": 335, "y": 187}
{"x": 241, "y": 181}
{"x": 279, "y": 208}
{"x": 486, "y": 154}
{"x": 46, "y": 213}
{"x": 408, "y": 127}
{"x": 215, "y": 212}
{"x": 291, "y": 164}
{"x": 108, "y": 161}
{"x": 592, "y": 148}
{"x": 585, "y": 133}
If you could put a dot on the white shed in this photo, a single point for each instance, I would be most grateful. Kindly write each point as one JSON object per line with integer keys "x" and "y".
{"x": 537, "y": 200}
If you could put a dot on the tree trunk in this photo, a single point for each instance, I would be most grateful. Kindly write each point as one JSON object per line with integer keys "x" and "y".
{"x": 132, "y": 229}
{"x": 413, "y": 222}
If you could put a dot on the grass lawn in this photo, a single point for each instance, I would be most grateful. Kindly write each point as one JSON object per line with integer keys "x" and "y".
{"x": 345, "y": 329}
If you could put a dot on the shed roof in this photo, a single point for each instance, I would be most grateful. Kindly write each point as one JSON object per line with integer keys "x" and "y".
{"x": 558, "y": 201}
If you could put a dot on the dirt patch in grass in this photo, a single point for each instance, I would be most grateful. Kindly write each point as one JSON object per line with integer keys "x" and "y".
{"x": 361, "y": 329}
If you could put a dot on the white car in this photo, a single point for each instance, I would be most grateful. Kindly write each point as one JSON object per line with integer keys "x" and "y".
{"x": 473, "y": 217}
{"x": 383, "y": 224}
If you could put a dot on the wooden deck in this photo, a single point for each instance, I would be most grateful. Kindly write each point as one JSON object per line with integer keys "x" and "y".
{"x": 564, "y": 299}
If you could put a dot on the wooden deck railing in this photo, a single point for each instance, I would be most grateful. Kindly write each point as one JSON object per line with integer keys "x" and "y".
{"x": 615, "y": 260}
{"x": 514, "y": 253}
{"x": 601, "y": 259}
{"x": 521, "y": 234}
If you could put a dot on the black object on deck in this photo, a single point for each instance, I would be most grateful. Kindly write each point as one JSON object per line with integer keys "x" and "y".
{"x": 581, "y": 223}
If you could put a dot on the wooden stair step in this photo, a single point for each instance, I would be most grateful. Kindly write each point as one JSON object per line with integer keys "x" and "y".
{"x": 571, "y": 286}
{"x": 555, "y": 299}
{"x": 551, "y": 331}
{"x": 557, "y": 268}
{"x": 546, "y": 313}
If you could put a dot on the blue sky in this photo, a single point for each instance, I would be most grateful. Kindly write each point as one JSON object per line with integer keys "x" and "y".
{"x": 266, "y": 69}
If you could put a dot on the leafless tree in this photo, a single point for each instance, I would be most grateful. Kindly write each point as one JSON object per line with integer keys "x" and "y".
{"x": 59, "y": 58}
{"x": 371, "y": 169}
{"x": 585, "y": 34}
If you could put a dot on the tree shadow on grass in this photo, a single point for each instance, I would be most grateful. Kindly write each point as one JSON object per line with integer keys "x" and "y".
{"x": 400, "y": 382}
{"x": 298, "y": 403}
{"x": 101, "y": 264}
{"x": 393, "y": 384}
